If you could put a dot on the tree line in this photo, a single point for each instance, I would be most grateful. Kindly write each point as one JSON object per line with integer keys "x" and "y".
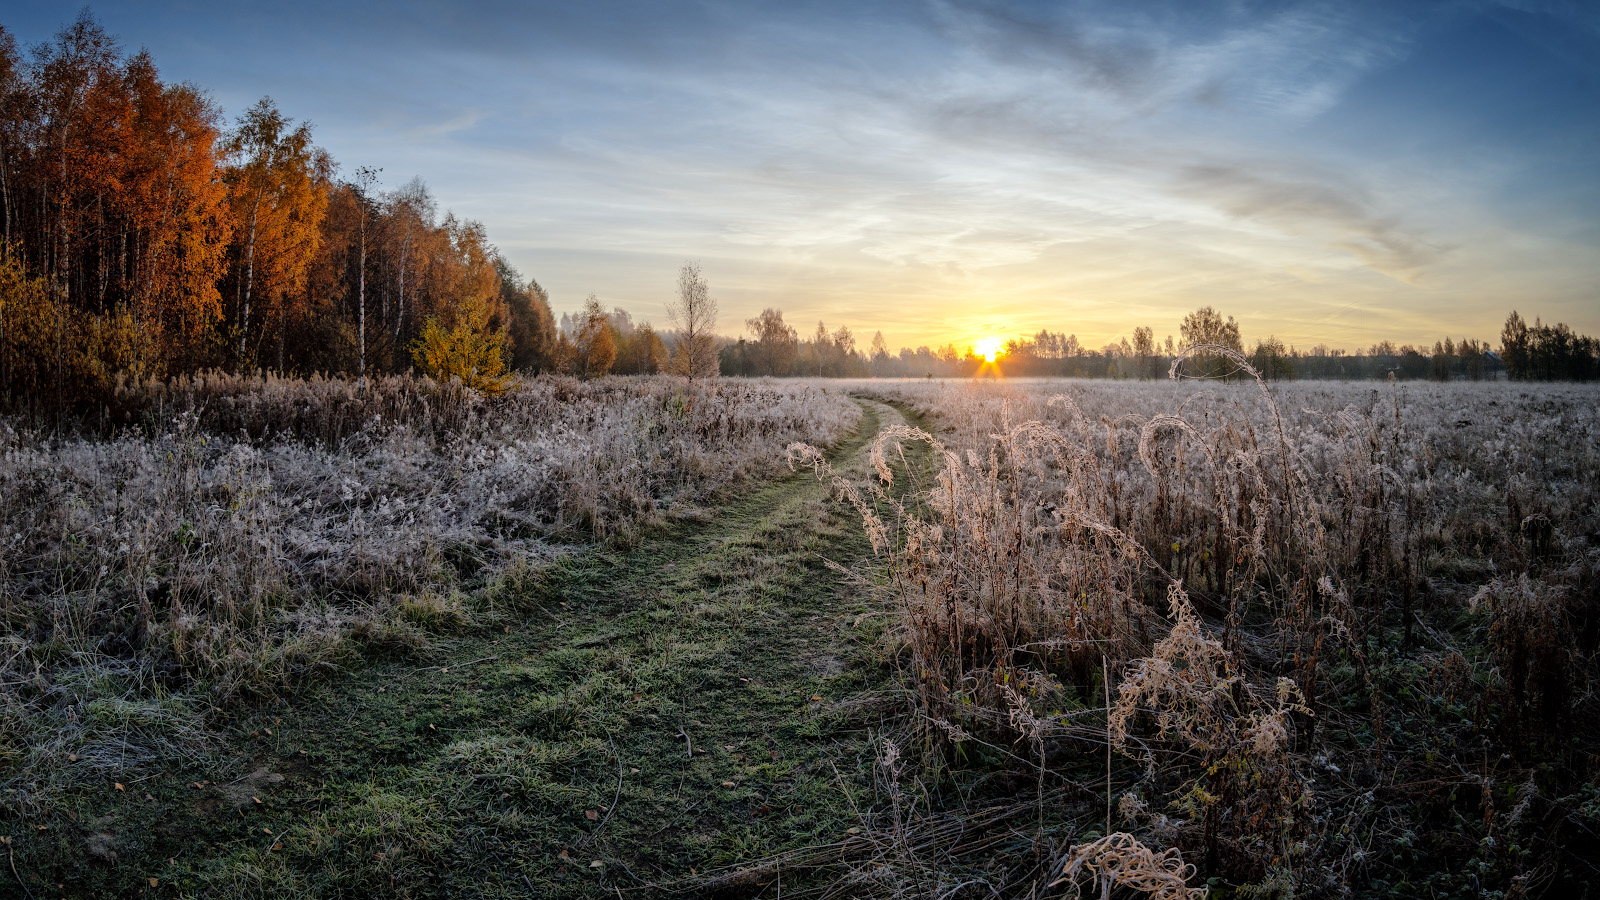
{"x": 1527, "y": 353}
{"x": 142, "y": 236}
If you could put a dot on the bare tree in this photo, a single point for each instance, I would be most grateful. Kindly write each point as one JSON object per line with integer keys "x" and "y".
{"x": 694, "y": 315}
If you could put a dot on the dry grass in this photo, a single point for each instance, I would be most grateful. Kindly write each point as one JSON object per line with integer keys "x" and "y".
{"x": 252, "y": 532}
{"x": 1370, "y": 592}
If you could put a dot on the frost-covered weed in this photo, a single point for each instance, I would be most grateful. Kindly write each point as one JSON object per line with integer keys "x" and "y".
{"x": 1329, "y": 537}
{"x": 257, "y": 528}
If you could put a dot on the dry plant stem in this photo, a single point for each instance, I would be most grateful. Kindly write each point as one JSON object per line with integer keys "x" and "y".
{"x": 11, "y": 857}
{"x": 1105, "y": 680}
{"x": 1120, "y": 860}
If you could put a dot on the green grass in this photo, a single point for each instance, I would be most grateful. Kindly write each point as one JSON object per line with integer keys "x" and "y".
{"x": 549, "y": 753}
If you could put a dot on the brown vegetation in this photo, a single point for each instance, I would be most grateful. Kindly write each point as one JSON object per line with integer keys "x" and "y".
{"x": 1381, "y": 610}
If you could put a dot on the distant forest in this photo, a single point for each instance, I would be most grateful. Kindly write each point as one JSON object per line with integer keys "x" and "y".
{"x": 1527, "y": 353}
{"x": 142, "y": 237}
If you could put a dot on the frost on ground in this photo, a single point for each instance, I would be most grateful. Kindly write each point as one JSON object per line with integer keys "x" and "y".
{"x": 256, "y": 530}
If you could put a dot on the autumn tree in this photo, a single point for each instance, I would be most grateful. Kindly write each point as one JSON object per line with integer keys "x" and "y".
{"x": 533, "y": 327}
{"x": 408, "y": 221}
{"x": 1144, "y": 352}
{"x": 466, "y": 338}
{"x": 108, "y": 191}
{"x": 593, "y": 349}
{"x": 694, "y": 315}
{"x": 13, "y": 100}
{"x": 140, "y": 240}
{"x": 277, "y": 182}
{"x": 1206, "y": 326}
{"x": 653, "y": 349}
{"x": 775, "y": 343}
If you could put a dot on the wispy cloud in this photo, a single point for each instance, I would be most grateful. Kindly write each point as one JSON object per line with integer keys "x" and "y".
{"x": 927, "y": 166}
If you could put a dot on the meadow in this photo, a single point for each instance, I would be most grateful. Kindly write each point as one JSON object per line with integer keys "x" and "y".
{"x": 1323, "y": 639}
{"x": 245, "y": 534}
{"x": 885, "y": 638}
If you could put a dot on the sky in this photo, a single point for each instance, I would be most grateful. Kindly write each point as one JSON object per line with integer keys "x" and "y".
{"x": 946, "y": 170}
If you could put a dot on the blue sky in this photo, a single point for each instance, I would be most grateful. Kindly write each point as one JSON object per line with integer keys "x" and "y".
{"x": 944, "y": 170}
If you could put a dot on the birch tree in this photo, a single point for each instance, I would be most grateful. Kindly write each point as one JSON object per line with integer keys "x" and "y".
{"x": 694, "y": 315}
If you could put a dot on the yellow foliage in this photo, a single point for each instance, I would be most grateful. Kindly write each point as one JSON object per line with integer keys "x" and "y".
{"x": 51, "y": 351}
{"x": 469, "y": 349}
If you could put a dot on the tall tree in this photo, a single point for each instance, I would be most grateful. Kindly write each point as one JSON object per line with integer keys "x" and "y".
{"x": 409, "y": 216}
{"x": 776, "y": 343}
{"x": 1144, "y": 351}
{"x": 1514, "y": 347}
{"x": 366, "y": 177}
{"x": 1206, "y": 326}
{"x": 278, "y": 190}
{"x": 593, "y": 347}
{"x": 13, "y": 109}
{"x": 694, "y": 315}
{"x": 533, "y": 327}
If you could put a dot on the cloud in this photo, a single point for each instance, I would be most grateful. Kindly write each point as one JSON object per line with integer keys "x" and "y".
{"x": 1339, "y": 214}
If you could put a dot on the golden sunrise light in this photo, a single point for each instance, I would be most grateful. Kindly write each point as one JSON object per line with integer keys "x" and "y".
{"x": 988, "y": 348}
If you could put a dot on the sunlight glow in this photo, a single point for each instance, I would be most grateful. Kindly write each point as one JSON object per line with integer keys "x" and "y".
{"x": 988, "y": 348}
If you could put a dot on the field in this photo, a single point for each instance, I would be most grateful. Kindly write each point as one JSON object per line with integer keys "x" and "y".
{"x": 269, "y": 638}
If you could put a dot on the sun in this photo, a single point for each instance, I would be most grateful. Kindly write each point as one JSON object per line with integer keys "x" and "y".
{"x": 988, "y": 348}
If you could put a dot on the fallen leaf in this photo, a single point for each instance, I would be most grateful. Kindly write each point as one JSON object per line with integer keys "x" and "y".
{"x": 591, "y": 815}
{"x": 120, "y": 786}
{"x": 727, "y": 784}
{"x": 563, "y": 853}
{"x": 154, "y": 882}
{"x": 816, "y": 697}
{"x": 444, "y": 670}
{"x": 265, "y": 830}
{"x": 257, "y": 800}
{"x": 277, "y": 845}
{"x": 267, "y": 730}
{"x": 597, "y": 864}
{"x": 72, "y": 757}
{"x": 852, "y": 831}
{"x": 633, "y": 770}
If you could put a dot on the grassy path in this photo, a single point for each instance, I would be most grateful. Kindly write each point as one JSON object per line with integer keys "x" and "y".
{"x": 661, "y": 711}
